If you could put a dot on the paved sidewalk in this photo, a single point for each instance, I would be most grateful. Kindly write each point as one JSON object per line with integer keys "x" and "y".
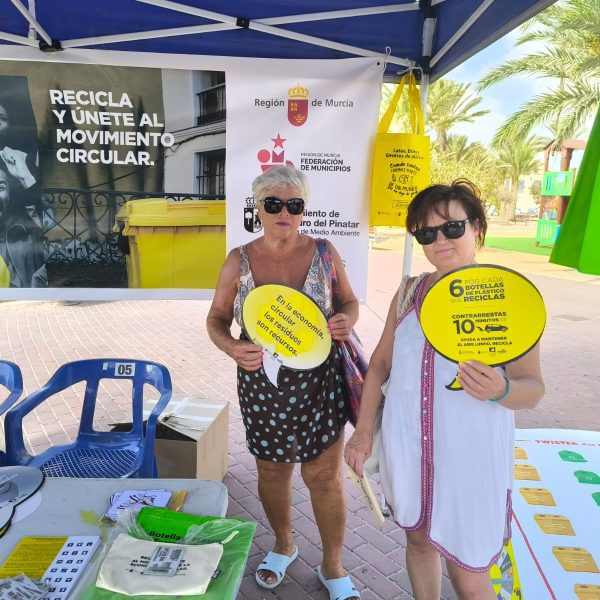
{"x": 40, "y": 336}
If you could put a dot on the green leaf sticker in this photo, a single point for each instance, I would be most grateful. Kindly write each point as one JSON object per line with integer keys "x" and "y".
{"x": 587, "y": 477}
{"x": 571, "y": 456}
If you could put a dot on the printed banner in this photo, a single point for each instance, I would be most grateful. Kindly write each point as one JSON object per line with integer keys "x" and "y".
{"x": 320, "y": 117}
{"x": 98, "y": 179}
{"x": 113, "y": 180}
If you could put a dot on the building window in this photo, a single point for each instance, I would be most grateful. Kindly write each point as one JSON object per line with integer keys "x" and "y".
{"x": 211, "y": 173}
{"x": 212, "y": 100}
{"x": 521, "y": 185}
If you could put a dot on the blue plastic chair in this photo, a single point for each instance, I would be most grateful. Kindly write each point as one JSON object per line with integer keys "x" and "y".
{"x": 12, "y": 380}
{"x": 95, "y": 453}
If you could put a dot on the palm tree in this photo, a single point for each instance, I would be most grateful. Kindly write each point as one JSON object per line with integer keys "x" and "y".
{"x": 515, "y": 160}
{"x": 448, "y": 104}
{"x": 470, "y": 160}
{"x": 459, "y": 149}
{"x": 570, "y": 31}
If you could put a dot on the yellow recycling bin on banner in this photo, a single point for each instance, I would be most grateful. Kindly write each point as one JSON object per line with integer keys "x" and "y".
{"x": 173, "y": 244}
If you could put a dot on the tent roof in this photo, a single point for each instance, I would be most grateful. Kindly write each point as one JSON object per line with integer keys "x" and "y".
{"x": 309, "y": 29}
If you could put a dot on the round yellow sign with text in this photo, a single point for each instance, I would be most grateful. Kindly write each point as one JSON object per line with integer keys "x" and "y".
{"x": 484, "y": 312}
{"x": 288, "y": 325}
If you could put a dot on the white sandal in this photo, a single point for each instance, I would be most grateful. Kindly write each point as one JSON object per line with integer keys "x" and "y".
{"x": 276, "y": 564}
{"x": 340, "y": 588}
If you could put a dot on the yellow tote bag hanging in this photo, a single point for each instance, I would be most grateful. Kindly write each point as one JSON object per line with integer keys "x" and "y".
{"x": 401, "y": 162}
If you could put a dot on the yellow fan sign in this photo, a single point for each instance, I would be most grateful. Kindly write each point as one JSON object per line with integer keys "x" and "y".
{"x": 483, "y": 312}
{"x": 289, "y": 326}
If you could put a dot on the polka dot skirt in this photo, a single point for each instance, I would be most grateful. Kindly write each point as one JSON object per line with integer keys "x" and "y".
{"x": 298, "y": 421}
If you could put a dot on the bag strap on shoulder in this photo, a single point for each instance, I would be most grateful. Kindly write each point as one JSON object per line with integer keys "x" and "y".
{"x": 406, "y": 293}
{"x": 327, "y": 258}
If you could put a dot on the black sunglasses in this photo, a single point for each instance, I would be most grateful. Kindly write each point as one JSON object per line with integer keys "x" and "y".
{"x": 273, "y": 206}
{"x": 451, "y": 229}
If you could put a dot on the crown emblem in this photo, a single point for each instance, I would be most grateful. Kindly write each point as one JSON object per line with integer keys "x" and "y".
{"x": 298, "y": 92}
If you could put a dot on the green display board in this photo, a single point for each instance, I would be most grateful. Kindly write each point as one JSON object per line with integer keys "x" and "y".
{"x": 557, "y": 183}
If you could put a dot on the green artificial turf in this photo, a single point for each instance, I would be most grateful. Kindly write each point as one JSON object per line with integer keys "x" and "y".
{"x": 517, "y": 244}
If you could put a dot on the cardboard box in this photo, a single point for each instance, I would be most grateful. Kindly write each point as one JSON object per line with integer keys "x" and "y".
{"x": 192, "y": 438}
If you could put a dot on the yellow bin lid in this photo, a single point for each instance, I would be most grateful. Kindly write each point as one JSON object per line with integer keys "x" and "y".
{"x": 152, "y": 212}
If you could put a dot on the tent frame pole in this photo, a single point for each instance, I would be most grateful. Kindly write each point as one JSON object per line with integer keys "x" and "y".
{"x": 147, "y": 35}
{"x": 461, "y": 31}
{"x": 299, "y": 18}
{"x": 339, "y": 14}
{"x": 33, "y": 22}
{"x": 408, "y": 238}
{"x": 18, "y": 39}
{"x": 259, "y": 25}
{"x": 427, "y": 44}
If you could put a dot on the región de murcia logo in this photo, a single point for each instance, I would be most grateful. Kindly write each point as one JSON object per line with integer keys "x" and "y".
{"x": 298, "y": 105}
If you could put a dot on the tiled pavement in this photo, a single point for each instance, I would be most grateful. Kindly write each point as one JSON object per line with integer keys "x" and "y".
{"x": 42, "y": 335}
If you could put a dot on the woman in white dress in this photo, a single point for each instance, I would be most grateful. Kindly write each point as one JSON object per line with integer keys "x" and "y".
{"x": 446, "y": 457}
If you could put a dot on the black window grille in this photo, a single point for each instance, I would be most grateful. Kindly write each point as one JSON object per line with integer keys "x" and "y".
{"x": 211, "y": 172}
{"x": 212, "y": 100}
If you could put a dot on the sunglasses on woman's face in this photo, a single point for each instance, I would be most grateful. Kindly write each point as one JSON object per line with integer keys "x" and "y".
{"x": 273, "y": 206}
{"x": 451, "y": 229}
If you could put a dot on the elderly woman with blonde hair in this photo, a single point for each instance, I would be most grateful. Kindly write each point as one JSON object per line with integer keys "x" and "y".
{"x": 303, "y": 420}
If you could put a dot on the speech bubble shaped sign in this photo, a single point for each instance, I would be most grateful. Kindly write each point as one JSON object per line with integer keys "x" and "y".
{"x": 290, "y": 327}
{"x": 483, "y": 312}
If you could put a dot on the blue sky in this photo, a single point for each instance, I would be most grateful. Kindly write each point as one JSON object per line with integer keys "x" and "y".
{"x": 503, "y": 98}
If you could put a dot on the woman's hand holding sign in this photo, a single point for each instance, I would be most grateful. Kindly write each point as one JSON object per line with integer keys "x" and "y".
{"x": 481, "y": 381}
{"x": 247, "y": 355}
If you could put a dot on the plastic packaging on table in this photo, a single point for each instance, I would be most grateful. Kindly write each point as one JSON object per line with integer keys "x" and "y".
{"x": 21, "y": 587}
{"x": 172, "y": 528}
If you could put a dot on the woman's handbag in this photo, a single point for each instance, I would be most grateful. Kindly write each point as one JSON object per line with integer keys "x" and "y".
{"x": 400, "y": 161}
{"x": 354, "y": 366}
{"x": 406, "y": 294}
{"x": 354, "y": 363}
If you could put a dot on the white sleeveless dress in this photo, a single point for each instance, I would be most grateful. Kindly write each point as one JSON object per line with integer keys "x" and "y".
{"x": 446, "y": 459}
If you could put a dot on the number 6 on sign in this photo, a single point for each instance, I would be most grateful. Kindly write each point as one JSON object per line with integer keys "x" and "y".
{"x": 124, "y": 369}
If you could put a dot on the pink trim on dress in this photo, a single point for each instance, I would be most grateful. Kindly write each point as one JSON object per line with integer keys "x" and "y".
{"x": 508, "y": 521}
{"x": 448, "y": 556}
{"x": 403, "y": 316}
{"x": 426, "y": 401}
